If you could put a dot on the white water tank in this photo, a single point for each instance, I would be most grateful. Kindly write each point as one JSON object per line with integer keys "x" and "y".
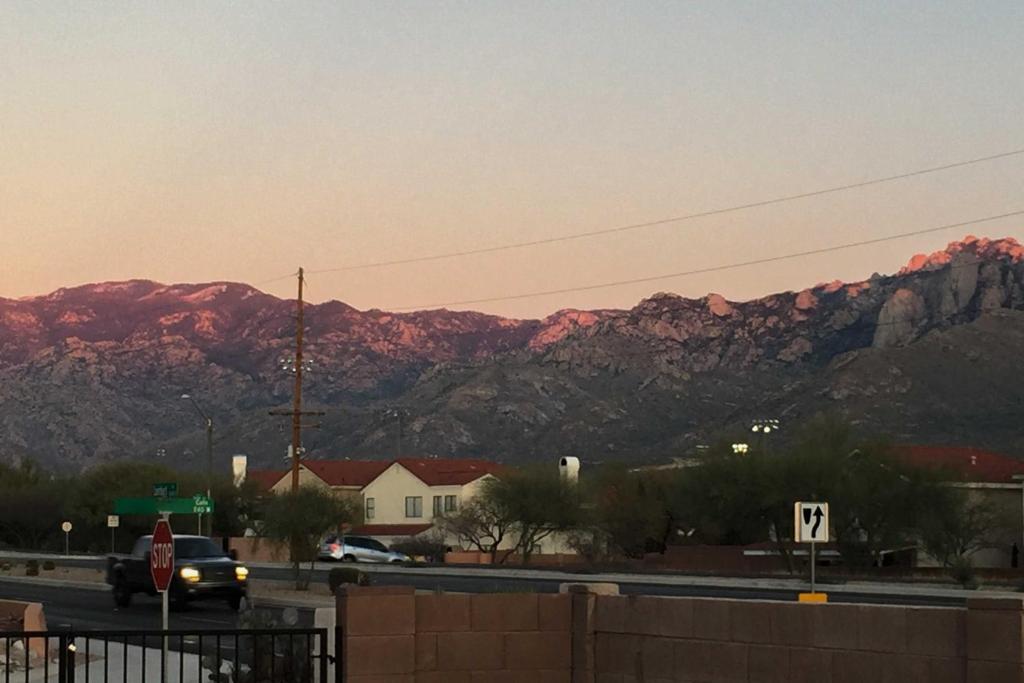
{"x": 569, "y": 468}
{"x": 239, "y": 464}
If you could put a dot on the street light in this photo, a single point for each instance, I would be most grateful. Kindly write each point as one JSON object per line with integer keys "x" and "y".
{"x": 209, "y": 454}
{"x": 765, "y": 426}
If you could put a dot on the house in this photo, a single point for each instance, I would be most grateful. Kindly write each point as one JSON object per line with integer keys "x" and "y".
{"x": 992, "y": 478}
{"x": 399, "y": 498}
{"x": 419, "y": 490}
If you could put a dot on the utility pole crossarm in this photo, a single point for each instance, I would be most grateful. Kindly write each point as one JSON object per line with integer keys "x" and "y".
{"x": 289, "y": 413}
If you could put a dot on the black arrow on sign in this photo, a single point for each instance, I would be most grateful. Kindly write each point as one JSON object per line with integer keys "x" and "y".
{"x": 818, "y": 514}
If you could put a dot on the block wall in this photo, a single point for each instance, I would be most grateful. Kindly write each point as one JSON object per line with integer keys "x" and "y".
{"x": 394, "y": 636}
{"x": 591, "y": 635}
{"x": 659, "y": 640}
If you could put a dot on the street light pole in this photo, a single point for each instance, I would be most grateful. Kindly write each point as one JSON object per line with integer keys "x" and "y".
{"x": 209, "y": 455}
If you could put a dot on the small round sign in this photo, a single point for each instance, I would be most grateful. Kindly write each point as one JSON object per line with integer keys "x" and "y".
{"x": 66, "y": 527}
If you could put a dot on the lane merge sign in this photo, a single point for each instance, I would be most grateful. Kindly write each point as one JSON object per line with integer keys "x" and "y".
{"x": 161, "y": 556}
{"x": 810, "y": 522}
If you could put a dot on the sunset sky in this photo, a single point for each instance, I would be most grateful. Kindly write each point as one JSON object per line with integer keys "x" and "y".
{"x": 200, "y": 141}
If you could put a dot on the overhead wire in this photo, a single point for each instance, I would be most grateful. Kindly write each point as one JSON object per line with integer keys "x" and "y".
{"x": 673, "y": 219}
{"x": 710, "y": 269}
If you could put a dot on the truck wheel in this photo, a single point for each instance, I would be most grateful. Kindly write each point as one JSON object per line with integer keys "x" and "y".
{"x": 122, "y": 592}
{"x": 348, "y": 558}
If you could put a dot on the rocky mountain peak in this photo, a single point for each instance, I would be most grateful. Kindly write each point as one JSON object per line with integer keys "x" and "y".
{"x": 981, "y": 248}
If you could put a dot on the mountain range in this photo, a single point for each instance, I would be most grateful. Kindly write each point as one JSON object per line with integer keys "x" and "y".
{"x": 930, "y": 354}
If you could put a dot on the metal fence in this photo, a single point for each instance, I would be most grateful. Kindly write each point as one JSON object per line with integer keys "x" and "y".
{"x": 176, "y": 656}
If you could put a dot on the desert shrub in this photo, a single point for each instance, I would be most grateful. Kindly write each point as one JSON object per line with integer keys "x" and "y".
{"x": 962, "y": 571}
{"x": 49, "y": 566}
{"x": 339, "y": 576}
{"x": 431, "y": 549}
{"x": 32, "y": 568}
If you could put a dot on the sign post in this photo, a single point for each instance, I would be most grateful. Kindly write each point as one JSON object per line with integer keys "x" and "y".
{"x": 113, "y": 521}
{"x": 66, "y": 528}
{"x": 161, "y": 568}
{"x": 810, "y": 525}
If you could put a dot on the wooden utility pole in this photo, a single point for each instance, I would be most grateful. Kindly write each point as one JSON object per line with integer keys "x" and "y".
{"x": 296, "y": 413}
{"x": 297, "y": 401}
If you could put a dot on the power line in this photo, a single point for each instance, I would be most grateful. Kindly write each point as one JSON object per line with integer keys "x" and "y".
{"x": 711, "y": 269}
{"x": 276, "y": 279}
{"x": 673, "y": 219}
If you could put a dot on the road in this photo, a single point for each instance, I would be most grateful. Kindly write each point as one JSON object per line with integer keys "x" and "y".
{"x": 95, "y": 609}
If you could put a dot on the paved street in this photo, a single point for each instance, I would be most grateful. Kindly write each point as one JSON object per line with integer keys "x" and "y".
{"x": 85, "y": 608}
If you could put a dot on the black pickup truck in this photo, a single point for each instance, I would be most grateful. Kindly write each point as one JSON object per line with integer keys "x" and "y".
{"x": 202, "y": 571}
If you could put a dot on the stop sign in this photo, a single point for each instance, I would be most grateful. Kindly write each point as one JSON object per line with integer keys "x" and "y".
{"x": 161, "y": 556}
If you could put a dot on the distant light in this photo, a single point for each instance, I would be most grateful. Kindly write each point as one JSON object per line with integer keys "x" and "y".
{"x": 186, "y": 396}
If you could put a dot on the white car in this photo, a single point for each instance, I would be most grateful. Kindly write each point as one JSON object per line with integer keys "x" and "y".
{"x": 358, "y": 549}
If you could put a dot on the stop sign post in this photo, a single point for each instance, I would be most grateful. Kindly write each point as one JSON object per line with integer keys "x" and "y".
{"x": 161, "y": 567}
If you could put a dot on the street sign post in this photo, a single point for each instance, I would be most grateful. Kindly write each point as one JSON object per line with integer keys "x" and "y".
{"x": 161, "y": 567}
{"x": 66, "y": 528}
{"x": 113, "y": 521}
{"x": 810, "y": 525}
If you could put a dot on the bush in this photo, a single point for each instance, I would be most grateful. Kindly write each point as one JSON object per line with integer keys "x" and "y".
{"x": 339, "y": 576}
{"x": 430, "y": 549}
{"x": 32, "y": 568}
{"x": 6, "y": 566}
{"x": 49, "y": 566}
{"x": 962, "y": 571}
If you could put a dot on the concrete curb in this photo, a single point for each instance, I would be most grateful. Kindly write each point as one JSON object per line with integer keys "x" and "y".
{"x": 258, "y": 600}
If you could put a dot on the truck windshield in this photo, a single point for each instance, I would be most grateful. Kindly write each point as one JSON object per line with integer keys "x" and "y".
{"x": 196, "y": 547}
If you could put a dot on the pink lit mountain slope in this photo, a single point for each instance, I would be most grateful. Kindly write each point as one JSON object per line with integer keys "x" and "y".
{"x": 930, "y": 355}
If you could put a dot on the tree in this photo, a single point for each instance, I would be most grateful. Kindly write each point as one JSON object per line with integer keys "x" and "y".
{"x": 957, "y": 527}
{"x": 539, "y": 503}
{"x": 630, "y": 511}
{"x": 301, "y": 519}
{"x": 484, "y": 523}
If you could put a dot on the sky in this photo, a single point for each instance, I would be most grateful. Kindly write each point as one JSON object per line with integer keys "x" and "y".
{"x": 209, "y": 141}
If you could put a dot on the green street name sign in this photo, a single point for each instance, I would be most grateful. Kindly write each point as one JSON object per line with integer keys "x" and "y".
{"x": 156, "y": 506}
{"x": 165, "y": 490}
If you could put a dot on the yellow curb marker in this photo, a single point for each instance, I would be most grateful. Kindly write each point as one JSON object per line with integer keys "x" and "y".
{"x": 813, "y": 597}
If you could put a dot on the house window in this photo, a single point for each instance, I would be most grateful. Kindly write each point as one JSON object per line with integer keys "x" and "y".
{"x": 414, "y": 506}
{"x": 437, "y": 506}
{"x": 371, "y": 508}
{"x": 449, "y": 504}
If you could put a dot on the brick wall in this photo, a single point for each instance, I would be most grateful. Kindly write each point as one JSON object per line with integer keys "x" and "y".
{"x": 592, "y": 635}
{"x": 392, "y": 635}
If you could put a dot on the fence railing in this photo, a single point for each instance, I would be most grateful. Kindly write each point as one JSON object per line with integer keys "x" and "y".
{"x": 175, "y": 656}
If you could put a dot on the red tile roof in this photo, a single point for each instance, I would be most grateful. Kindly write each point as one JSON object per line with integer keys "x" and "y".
{"x": 265, "y": 479}
{"x": 968, "y": 464}
{"x": 347, "y": 472}
{"x": 391, "y": 529}
{"x": 448, "y": 471}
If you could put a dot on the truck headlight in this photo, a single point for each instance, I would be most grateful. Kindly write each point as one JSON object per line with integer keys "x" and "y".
{"x": 241, "y": 573}
{"x": 189, "y": 574}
